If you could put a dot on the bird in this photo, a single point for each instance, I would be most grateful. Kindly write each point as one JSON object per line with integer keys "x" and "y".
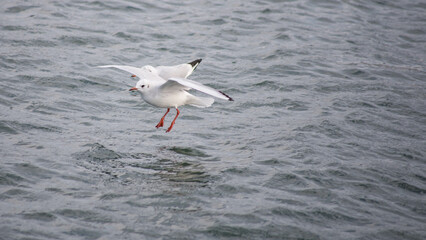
{"x": 167, "y": 87}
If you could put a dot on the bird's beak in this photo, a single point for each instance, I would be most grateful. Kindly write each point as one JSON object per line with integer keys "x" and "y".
{"x": 133, "y": 89}
{"x": 133, "y": 75}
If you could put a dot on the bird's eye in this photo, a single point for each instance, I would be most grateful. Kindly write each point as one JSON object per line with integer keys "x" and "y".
{"x": 142, "y": 86}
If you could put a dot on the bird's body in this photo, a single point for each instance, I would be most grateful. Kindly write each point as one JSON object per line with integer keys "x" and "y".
{"x": 166, "y": 98}
{"x": 166, "y": 87}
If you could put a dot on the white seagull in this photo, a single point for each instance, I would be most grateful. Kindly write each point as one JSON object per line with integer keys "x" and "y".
{"x": 166, "y": 86}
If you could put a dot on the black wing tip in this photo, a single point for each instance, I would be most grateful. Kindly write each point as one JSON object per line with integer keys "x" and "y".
{"x": 226, "y": 95}
{"x": 195, "y": 62}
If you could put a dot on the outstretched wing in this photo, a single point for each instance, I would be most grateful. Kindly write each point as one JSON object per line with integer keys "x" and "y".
{"x": 177, "y": 71}
{"x": 139, "y": 72}
{"x": 183, "y": 84}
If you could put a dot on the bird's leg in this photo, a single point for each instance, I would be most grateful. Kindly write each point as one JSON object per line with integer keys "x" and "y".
{"x": 161, "y": 123}
{"x": 173, "y": 123}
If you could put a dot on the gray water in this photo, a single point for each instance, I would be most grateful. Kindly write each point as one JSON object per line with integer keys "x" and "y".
{"x": 325, "y": 138}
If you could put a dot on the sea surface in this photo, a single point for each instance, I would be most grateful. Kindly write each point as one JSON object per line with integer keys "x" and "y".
{"x": 326, "y": 138}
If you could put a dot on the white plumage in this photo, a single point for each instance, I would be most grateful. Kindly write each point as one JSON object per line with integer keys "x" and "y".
{"x": 166, "y": 86}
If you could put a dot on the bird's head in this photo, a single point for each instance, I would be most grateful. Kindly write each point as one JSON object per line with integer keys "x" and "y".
{"x": 141, "y": 86}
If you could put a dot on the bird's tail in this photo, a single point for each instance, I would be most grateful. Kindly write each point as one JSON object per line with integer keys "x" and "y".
{"x": 201, "y": 102}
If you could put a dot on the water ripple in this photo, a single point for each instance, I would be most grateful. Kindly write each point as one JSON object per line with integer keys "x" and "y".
{"x": 325, "y": 138}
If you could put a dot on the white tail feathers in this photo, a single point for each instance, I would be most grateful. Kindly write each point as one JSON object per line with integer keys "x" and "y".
{"x": 201, "y": 102}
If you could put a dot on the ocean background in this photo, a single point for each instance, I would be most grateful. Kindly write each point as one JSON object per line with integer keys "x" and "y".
{"x": 326, "y": 138}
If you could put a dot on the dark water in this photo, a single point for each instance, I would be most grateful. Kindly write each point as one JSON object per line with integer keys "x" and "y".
{"x": 325, "y": 139}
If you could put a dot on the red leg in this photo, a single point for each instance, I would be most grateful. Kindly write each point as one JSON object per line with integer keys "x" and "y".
{"x": 173, "y": 123}
{"x": 161, "y": 123}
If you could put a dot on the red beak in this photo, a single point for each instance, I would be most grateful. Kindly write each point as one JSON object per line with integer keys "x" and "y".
{"x": 133, "y": 75}
{"x": 133, "y": 89}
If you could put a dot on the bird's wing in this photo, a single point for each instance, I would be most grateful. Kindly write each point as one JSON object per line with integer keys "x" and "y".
{"x": 184, "y": 84}
{"x": 178, "y": 71}
{"x": 139, "y": 72}
{"x": 134, "y": 70}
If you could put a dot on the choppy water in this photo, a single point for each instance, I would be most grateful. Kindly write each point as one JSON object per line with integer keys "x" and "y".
{"x": 325, "y": 139}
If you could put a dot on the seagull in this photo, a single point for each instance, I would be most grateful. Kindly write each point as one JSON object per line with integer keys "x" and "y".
{"x": 167, "y": 86}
